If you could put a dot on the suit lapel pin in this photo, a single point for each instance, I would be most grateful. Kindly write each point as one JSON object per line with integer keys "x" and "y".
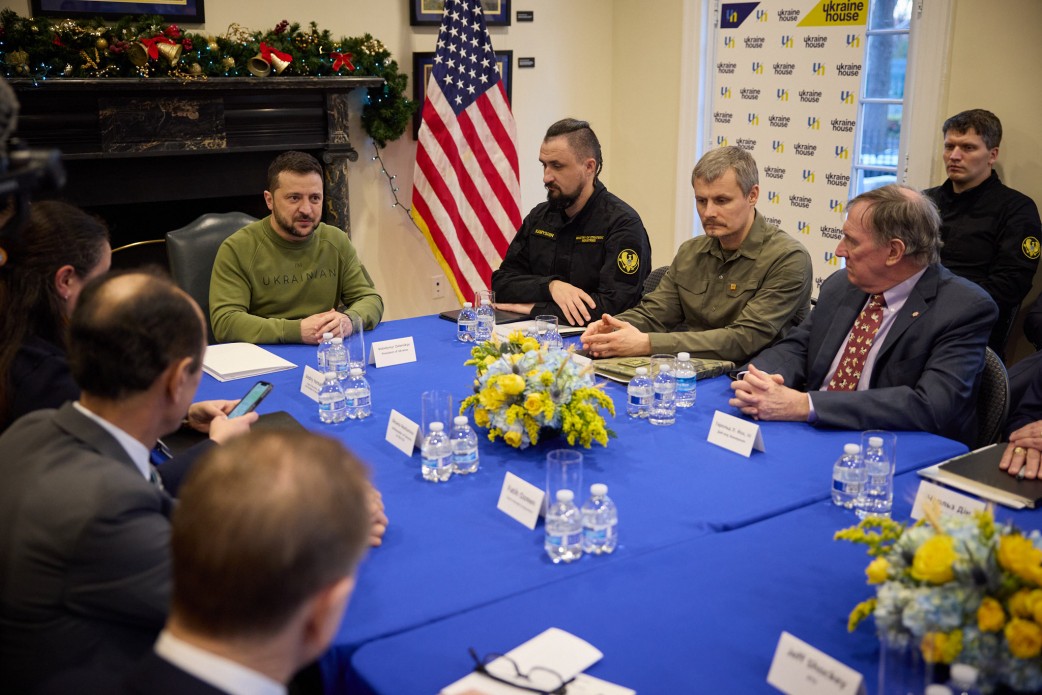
{"x": 914, "y": 314}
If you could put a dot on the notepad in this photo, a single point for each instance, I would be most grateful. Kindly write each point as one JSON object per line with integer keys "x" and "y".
{"x": 622, "y": 369}
{"x": 241, "y": 360}
{"x": 978, "y": 473}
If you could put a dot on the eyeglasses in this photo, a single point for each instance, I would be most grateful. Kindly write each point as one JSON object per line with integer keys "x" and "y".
{"x": 542, "y": 680}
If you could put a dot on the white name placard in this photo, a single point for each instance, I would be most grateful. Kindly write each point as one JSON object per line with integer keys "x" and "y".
{"x": 949, "y": 501}
{"x": 520, "y": 500}
{"x": 800, "y": 669}
{"x": 402, "y": 433}
{"x": 387, "y": 353}
{"x": 312, "y": 382}
{"x": 735, "y": 434}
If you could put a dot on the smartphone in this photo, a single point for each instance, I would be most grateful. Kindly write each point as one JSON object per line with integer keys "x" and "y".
{"x": 252, "y": 399}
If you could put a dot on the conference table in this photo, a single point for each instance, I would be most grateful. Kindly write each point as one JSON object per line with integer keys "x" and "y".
{"x": 698, "y": 524}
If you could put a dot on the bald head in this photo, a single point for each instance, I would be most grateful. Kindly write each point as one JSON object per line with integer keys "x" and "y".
{"x": 127, "y": 329}
{"x": 900, "y": 212}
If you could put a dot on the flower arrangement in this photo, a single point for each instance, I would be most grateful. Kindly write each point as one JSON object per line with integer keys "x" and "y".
{"x": 962, "y": 588}
{"x": 523, "y": 392}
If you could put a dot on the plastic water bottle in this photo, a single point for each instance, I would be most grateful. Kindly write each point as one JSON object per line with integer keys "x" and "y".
{"x": 466, "y": 324}
{"x": 937, "y": 689}
{"x": 359, "y": 396}
{"x": 639, "y": 394}
{"x": 323, "y": 350}
{"x": 336, "y": 359}
{"x": 600, "y": 521}
{"x": 332, "y": 406}
{"x": 664, "y": 404}
{"x": 963, "y": 680}
{"x": 564, "y": 529}
{"x": 464, "y": 443}
{"x": 877, "y": 494}
{"x": 848, "y": 475}
{"x": 437, "y": 455}
{"x": 486, "y": 322}
{"x": 686, "y": 378}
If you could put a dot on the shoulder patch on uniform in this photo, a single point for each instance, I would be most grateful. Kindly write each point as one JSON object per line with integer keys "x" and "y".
{"x": 628, "y": 261}
{"x": 543, "y": 232}
{"x": 1031, "y": 247}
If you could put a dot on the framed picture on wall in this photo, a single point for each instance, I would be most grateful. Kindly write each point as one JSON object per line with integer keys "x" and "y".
{"x": 427, "y": 12}
{"x": 423, "y": 64}
{"x": 189, "y": 11}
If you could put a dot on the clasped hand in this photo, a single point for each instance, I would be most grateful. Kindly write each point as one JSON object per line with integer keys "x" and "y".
{"x": 764, "y": 396}
{"x": 610, "y": 337}
{"x": 1023, "y": 455}
{"x": 313, "y": 327}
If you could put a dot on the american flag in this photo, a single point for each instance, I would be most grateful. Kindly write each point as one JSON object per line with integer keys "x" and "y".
{"x": 466, "y": 193}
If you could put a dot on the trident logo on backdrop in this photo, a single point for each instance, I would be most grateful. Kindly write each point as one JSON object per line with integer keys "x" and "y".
{"x": 725, "y": 92}
{"x": 808, "y": 176}
{"x": 773, "y": 197}
{"x": 757, "y": 68}
{"x": 813, "y": 123}
{"x": 803, "y": 227}
{"x": 842, "y": 152}
{"x": 835, "y": 205}
{"x": 819, "y": 68}
{"x": 778, "y": 146}
{"x": 786, "y": 41}
{"x": 754, "y": 119}
{"x": 721, "y": 141}
{"x": 831, "y": 258}
{"x": 854, "y": 40}
{"x": 783, "y": 94}
{"x": 846, "y": 96}
{"x": 728, "y": 42}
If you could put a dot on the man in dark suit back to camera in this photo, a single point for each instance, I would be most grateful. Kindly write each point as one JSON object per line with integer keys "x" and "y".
{"x": 84, "y": 526}
{"x": 896, "y": 341}
{"x": 261, "y": 577}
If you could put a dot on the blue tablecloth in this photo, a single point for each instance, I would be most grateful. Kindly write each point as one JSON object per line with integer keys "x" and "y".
{"x": 448, "y": 548}
{"x": 702, "y": 616}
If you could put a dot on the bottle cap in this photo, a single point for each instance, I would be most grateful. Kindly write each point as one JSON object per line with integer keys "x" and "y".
{"x": 665, "y": 368}
{"x": 643, "y": 371}
{"x": 875, "y": 442}
{"x": 598, "y": 489}
{"x": 329, "y": 375}
{"x": 851, "y": 449}
{"x": 467, "y": 305}
{"x": 938, "y": 689}
{"x": 338, "y": 341}
{"x": 356, "y": 371}
{"x": 683, "y": 356}
{"x": 964, "y": 675}
{"x": 565, "y": 495}
{"x": 460, "y": 420}
{"x": 436, "y": 426}
{"x": 327, "y": 336}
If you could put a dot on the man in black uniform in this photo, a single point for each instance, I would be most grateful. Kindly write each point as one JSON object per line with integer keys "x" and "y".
{"x": 582, "y": 253}
{"x": 991, "y": 233}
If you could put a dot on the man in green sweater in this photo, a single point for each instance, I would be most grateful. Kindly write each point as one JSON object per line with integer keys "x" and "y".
{"x": 289, "y": 278}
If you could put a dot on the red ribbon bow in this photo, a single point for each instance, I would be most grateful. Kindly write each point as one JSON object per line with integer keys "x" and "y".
{"x": 342, "y": 59}
{"x": 267, "y": 52}
{"x": 153, "y": 48}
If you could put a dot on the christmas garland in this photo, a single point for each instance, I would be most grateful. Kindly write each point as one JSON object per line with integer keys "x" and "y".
{"x": 148, "y": 46}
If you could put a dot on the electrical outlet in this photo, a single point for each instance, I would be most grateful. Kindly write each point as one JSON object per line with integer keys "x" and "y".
{"x": 438, "y": 286}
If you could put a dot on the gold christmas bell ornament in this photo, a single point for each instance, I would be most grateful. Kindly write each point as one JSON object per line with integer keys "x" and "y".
{"x": 171, "y": 52}
{"x": 279, "y": 64}
{"x": 258, "y": 67}
{"x": 137, "y": 53}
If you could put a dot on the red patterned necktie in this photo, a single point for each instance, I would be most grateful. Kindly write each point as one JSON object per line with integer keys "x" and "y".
{"x": 859, "y": 342}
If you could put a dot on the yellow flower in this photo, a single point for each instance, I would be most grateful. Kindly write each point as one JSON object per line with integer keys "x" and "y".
{"x": 940, "y": 647}
{"x": 529, "y": 344}
{"x": 860, "y": 612}
{"x": 490, "y": 360}
{"x": 877, "y": 570}
{"x": 511, "y": 384}
{"x": 1020, "y": 556}
{"x": 546, "y": 378}
{"x": 933, "y": 560}
{"x": 512, "y": 438}
{"x": 1021, "y": 604}
{"x": 1024, "y": 638}
{"x": 990, "y": 616}
{"x": 533, "y": 404}
{"x": 481, "y": 417}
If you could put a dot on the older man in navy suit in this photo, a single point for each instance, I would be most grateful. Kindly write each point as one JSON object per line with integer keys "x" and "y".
{"x": 896, "y": 340}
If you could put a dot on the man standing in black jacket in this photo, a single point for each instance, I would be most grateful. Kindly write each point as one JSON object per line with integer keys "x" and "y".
{"x": 991, "y": 233}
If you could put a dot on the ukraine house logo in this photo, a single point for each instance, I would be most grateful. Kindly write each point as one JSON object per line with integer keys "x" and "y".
{"x": 846, "y": 96}
{"x": 732, "y": 17}
{"x": 835, "y": 205}
{"x": 782, "y": 94}
{"x": 813, "y": 123}
{"x": 757, "y": 68}
{"x": 773, "y": 197}
{"x": 818, "y": 68}
{"x": 831, "y": 258}
{"x": 761, "y": 15}
{"x": 721, "y": 141}
{"x": 808, "y": 176}
{"x": 778, "y": 146}
{"x": 728, "y": 42}
{"x": 842, "y": 152}
{"x": 786, "y": 41}
{"x": 854, "y": 40}
{"x": 803, "y": 227}
{"x": 754, "y": 119}
{"x": 725, "y": 92}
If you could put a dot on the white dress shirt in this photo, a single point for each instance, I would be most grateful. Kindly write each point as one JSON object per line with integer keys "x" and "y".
{"x": 137, "y": 451}
{"x": 221, "y": 673}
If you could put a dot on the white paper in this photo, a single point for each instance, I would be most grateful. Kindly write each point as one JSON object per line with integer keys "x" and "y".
{"x": 950, "y": 501}
{"x": 402, "y": 433}
{"x": 800, "y": 669}
{"x": 554, "y": 649}
{"x": 230, "y": 361}
{"x": 387, "y": 353}
{"x": 312, "y": 382}
{"x": 582, "y": 685}
{"x": 528, "y": 328}
{"x": 735, "y": 434}
{"x": 520, "y": 500}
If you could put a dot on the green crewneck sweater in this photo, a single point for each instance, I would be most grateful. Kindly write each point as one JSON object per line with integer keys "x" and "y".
{"x": 262, "y": 285}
